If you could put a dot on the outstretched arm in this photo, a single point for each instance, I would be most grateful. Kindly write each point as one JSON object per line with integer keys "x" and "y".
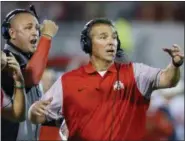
{"x": 170, "y": 76}
{"x": 149, "y": 78}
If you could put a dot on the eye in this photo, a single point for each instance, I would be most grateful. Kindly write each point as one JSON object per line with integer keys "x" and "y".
{"x": 103, "y": 37}
{"x": 28, "y": 27}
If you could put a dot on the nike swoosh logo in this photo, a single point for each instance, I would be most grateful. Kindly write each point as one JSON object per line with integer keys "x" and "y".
{"x": 81, "y": 89}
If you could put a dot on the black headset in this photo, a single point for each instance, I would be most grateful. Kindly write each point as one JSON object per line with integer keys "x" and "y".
{"x": 6, "y": 23}
{"x": 85, "y": 40}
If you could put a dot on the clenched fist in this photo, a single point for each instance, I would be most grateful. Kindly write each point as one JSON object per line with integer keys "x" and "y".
{"x": 49, "y": 28}
{"x": 39, "y": 107}
{"x": 177, "y": 55}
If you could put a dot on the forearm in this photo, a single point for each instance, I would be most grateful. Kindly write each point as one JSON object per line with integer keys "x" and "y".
{"x": 35, "y": 119}
{"x": 16, "y": 110}
{"x": 169, "y": 77}
{"x": 19, "y": 107}
{"x": 38, "y": 62}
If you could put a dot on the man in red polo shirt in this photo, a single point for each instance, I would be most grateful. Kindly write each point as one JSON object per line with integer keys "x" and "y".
{"x": 106, "y": 99}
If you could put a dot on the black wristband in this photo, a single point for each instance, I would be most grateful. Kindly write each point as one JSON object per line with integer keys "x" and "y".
{"x": 177, "y": 64}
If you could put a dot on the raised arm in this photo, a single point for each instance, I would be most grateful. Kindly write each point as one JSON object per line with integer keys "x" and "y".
{"x": 37, "y": 64}
{"x": 15, "y": 110}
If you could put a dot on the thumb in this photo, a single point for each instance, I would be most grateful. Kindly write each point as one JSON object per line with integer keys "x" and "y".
{"x": 50, "y": 99}
{"x": 47, "y": 102}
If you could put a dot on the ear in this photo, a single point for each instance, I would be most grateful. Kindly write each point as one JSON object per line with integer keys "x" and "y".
{"x": 12, "y": 33}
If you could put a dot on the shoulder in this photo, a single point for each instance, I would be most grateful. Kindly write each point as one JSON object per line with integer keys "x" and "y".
{"x": 126, "y": 66}
{"x": 140, "y": 68}
{"x": 73, "y": 73}
{"x": 137, "y": 66}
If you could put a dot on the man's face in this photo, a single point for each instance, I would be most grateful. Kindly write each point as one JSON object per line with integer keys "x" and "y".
{"x": 104, "y": 42}
{"x": 24, "y": 32}
{"x": 3, "y": 60}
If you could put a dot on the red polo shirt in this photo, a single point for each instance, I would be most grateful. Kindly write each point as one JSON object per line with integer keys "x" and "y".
{"x": 95, "y": 110}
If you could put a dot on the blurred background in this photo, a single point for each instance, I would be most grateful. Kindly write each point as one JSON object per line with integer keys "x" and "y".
{"x": 144, "y": 28}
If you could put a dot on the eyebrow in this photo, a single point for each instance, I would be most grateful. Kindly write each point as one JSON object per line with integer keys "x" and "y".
{"x": 104, "y": 33}
{"x": 29, "y": 24}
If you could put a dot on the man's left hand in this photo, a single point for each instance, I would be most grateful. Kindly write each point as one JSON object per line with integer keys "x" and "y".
{"x": 177, "y": 55}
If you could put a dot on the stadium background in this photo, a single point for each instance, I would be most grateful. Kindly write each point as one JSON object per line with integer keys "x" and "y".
{"x": 144, "y": 29}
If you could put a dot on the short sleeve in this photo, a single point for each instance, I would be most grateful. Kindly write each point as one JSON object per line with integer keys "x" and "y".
{"x": 55, "y": 108}
{"x": 147, "y": 78}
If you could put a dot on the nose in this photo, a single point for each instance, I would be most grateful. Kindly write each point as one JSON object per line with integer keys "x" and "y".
{"x": 112, "y": 42}
{"x": 111, "y": 45}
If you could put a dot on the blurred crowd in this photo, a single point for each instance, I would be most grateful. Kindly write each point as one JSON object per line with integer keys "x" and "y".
{"x": 77, "y": 11}
{"x": 165, "y": 119}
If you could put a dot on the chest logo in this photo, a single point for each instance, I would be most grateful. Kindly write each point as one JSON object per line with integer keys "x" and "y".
{"x": 118, "y": 85}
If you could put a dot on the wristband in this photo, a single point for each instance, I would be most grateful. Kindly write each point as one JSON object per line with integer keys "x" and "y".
{"x": 47, "y": 35}
{"x": 19, "y": 87}
{"x": 177, "y": 64}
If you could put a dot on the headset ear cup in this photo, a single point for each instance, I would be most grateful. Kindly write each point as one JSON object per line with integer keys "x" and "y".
{"x": 5, "y": 30}
{"x": 83, "y": 43}
{"x": 88, "y": 45}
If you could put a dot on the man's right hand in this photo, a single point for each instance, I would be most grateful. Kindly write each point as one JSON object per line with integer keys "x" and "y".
{"x": 15, "y": 68}
{"x": 49, "y": 28}
{"x": 40, "y": 107}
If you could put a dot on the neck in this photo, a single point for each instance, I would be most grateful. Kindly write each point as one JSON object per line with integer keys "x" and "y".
{"x": 99, "y": 64}
{"x": 13, "y": 42}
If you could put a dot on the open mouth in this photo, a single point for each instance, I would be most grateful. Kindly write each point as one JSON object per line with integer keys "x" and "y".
{"x": 33, "y": 42}
{"x": 110, "y": 51}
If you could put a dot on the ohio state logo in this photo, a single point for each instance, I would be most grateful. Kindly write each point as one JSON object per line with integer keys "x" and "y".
{"x": 118, "y": 85}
